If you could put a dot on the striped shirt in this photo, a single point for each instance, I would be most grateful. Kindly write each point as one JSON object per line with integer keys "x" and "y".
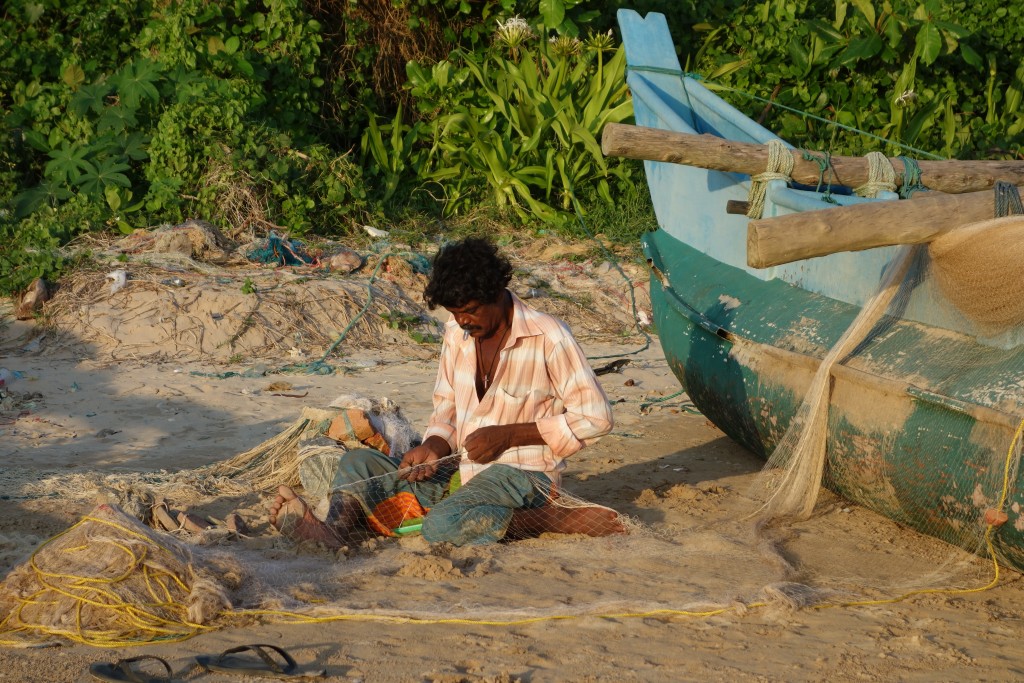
{"x": 542, "y": 377}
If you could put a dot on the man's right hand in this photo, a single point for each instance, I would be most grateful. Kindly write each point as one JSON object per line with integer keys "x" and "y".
{"x": 420, "y": 463}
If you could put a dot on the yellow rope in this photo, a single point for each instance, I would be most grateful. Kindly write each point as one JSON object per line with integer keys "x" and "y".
{"x": 151, "y": 627}
{"x": 780, "y": 167}
{"x": 97, "y": 592}
{"x": 295, "y": 617}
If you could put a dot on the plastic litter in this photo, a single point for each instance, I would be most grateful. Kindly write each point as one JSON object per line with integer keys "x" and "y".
{"x": 7, "y": 376}
{"x": 375, "y": 232}
{"x": 120, "y": 277}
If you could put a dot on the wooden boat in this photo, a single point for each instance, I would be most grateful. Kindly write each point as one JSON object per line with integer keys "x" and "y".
{"x": 911, "y": 434}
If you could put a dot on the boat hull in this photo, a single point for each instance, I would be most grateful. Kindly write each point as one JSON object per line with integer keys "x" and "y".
{"x": 921, "y": 415}
{"x": 908, "y": 450}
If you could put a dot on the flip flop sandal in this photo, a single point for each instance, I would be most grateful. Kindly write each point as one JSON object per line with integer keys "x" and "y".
{"x": 227, "y": 662}
{"x": 123, "y": 671}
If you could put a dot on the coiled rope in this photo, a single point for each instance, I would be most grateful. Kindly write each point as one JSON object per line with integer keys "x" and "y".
{"x": 780, "y": 167}
{"x": 881, "y": 176}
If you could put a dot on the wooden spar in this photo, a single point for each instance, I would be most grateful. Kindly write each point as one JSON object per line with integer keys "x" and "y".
{"x": 797, "y": 236}
{"x": 712, "y": 152}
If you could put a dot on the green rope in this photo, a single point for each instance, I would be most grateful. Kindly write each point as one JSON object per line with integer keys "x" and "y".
{"x": 911, "y": 178}
{"x": 663, "y": 70}
{"x": 834, "y": 124}
{"x": 800, "y": 112}
{"x": 1007, "y": 200}
{"x": 824, "y": 162}
{"x": 615, "y": 263}
{"x": 688, "y": 408}
{"x": 321, "y": 366}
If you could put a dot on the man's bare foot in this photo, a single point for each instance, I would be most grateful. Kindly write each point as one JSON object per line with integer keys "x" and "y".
{"x": 592, "y": 520}
{"x": 290, "y": 515}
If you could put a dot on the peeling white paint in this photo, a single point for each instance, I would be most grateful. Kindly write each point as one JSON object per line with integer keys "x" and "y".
{"x": 728, "y": 302}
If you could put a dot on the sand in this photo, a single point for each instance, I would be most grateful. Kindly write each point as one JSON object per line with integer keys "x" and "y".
{"x": 89, "y": 407}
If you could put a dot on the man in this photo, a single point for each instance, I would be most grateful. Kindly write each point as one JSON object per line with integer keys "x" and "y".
{"x": 514, "y": 397}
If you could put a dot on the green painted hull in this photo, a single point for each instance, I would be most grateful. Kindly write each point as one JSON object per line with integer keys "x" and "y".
{"x": 908, "y": 436}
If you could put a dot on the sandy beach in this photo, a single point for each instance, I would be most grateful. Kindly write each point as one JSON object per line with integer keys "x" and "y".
{"x": 692, "y": 593}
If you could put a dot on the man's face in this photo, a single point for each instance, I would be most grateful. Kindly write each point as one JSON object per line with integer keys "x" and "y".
{"x": 479, "y": 320}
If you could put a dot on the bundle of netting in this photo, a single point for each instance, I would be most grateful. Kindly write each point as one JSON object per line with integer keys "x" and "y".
{"x": 350, "y": 422}
{"x": 978, "y": 269}
{"x": 110, "y": 581}
{"x": 801, "y": 454}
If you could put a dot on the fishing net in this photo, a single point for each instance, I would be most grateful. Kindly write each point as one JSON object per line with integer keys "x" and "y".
{"x": 801, "y": 453}
{"x": 917, "y": 422}
{"x": 725, "y": 555}
{"x": 977, "y": 267}
{"x": 111, "y": 579}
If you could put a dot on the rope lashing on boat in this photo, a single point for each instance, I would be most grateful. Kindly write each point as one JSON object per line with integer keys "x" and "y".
{"x": 824, "y": 161}
{"x": 881, "y": 176}
{"x": 1007, "y": 200}
{"x": 780, "y": 167}
{"x": 911, "y": 178}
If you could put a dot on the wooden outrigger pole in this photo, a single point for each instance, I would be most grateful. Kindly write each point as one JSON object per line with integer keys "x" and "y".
{"x": 797, "y": 236}
{"x": 709, "y": 151}
{"x": 961, "y": 194}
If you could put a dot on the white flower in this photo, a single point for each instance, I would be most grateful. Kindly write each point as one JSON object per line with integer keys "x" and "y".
{"x": 905, "y": 98}
{"x": 513, "y": 33}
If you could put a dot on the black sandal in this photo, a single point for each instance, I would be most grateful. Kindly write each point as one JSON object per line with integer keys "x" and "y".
{"x": 227, "y": 662}
{"x": 122, "y": 671}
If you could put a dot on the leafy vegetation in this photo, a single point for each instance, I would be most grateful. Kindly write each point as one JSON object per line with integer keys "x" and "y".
{"x": 931, "y": 75}
{"x": 317, "y": 116}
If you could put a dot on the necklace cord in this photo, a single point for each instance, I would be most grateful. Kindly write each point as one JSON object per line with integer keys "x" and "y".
{"x": 494, "y": 356}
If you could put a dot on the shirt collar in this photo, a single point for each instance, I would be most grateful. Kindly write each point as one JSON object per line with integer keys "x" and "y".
{"x": 523, "y": 324}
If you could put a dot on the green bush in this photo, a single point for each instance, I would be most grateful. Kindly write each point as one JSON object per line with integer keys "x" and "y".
{"x": 929, "y": 75}
{"x": 522, "y": 121}
{"x": 148, "y": 112}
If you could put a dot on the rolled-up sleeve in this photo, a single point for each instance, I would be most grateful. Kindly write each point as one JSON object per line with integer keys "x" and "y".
{"x": 443, "y": 418}
{"x": 587, "y": 416}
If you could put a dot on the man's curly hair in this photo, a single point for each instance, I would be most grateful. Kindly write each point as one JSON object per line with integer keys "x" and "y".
{"x": 468, "y": 270}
